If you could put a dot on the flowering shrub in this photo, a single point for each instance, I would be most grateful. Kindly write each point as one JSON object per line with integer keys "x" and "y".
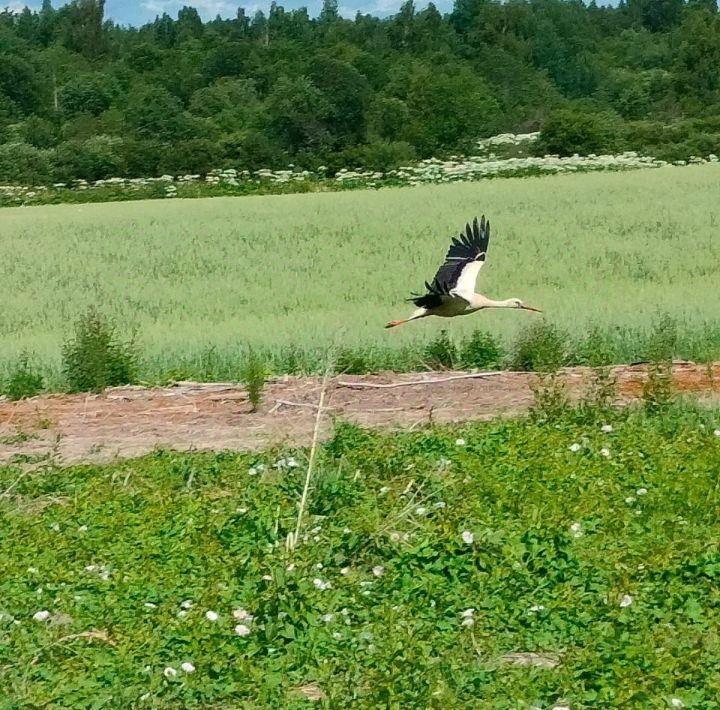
{"x": 229, "y": 181}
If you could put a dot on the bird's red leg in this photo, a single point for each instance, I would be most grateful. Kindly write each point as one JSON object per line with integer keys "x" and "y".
{"x": 395, "y": 323}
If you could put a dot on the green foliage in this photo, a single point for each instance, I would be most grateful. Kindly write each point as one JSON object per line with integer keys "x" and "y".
{"x": 567, "y": 132}
{"x": 89, "y": 93}
{"x": 94, "y": 358}
{"x": 595, "y": 549}
{"x": 23, "y": 379}
{"x": 309, "y": 90}
{"x": 540, "y": 347}
{"x": 441, "y": 353}
{"x": 253, "y": 375}
{"x": 480, "y": 350}
{"x": 23, "y": 164}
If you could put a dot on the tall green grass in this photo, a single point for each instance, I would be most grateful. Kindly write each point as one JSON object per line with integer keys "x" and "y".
{"x": 304, "y": 273}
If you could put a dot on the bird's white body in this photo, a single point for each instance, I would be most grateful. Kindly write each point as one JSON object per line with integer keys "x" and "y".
{"x": 452, "y": 292}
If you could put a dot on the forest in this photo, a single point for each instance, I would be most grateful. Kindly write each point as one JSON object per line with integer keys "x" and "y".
{"x": 84, "y": 98}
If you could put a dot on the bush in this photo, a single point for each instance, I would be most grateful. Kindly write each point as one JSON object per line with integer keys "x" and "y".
{"x": 96, "y": 158}
{"x": 23, "y": 380}
{"x": 480, "y": 350}
{"x": 441, "y": 353}
{"x": 383, "y": 155}
{"x": 23, "y": 164}
{"x": 540, "y": 348}
{"x": 567, "y": 132}
{"x": 94, "y": 358}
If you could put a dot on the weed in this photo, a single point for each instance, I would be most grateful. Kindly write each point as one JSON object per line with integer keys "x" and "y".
{"x": 550, "y": 399}
{"x": 481, "y": 351}
{"x": 541, "y": 347}
{"x": 441, "y": 353}
{"x": 24, "y": 380}
{"x": 94, "y": 358}
{"x": 253, "y": 374}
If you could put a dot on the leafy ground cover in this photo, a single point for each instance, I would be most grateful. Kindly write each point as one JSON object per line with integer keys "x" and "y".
{"x": 293, "y": 276}
{"x": 426, "y": 559}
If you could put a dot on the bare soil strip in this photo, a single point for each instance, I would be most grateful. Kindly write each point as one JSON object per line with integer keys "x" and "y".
{"x": 131, "y": 421}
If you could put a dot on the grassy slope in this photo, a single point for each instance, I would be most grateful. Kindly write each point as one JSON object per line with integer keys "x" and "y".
{"x": 174, "y": 527}
{"x": 320, "y": 269}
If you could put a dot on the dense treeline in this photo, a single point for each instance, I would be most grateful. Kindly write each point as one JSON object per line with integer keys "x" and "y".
{"x": 81, "y": 97}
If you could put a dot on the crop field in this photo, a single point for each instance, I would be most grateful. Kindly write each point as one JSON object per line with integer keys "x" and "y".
{"x": 211, "y": 276}
{"x": 505, "y": 564}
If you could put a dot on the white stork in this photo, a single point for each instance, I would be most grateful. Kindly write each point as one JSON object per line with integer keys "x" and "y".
{"x": 452, "y": 291}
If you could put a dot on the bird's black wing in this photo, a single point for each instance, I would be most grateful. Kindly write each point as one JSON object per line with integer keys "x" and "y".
{"x": 469, "y": 248}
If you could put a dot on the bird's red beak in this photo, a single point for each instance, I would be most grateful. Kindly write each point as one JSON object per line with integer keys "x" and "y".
{"x": 530, "y": 308}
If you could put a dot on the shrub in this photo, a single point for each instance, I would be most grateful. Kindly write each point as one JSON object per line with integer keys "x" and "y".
{"x": 94, "y": 358}
{"x": 23, "y": 164}
{"x": 96, "y": 158}
{"x": 253, "y": 374}
{"x": 541, "y": 347}
{"x": 441, "y": 353}
{"x": 23, "y": 380}
{"x": 480, "y": 350}
{"x": 567, "y": 132}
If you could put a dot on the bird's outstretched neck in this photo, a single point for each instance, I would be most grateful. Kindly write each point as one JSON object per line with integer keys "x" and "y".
{"x": 395, "y": 323}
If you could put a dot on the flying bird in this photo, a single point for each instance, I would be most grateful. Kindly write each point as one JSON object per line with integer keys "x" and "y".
{"x": 452, "y": 291}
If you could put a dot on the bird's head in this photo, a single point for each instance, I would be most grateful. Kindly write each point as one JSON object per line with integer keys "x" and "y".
{"x": 517, "y": 303}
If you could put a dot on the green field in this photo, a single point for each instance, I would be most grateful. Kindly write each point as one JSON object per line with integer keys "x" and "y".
{"x": 313, "y": 270}
{"x": 604, "y": 559}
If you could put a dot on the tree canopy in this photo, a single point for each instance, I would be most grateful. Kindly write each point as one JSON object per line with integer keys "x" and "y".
{"x": 81, "y": 97}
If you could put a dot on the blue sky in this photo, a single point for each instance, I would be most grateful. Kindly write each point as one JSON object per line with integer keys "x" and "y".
{"x": 136, "y": 12}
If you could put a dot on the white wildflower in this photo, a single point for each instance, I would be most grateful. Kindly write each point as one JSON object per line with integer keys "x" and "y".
{"x": 467, "y": 537}
{"x": 605, "y": 452}
{"x": 626, "y": 601}
{"x": 345, "y": 571}
{"x": 439, "y": 505}
{"x": 574, "y": 447}
{"x": 241, "y": 615}
{"x": 630, "y": 500}
{"x": 252, "y": 471}
{"x": 266, "y": 578}
{"x": 150, "y": 605}
{"x": 576, "y": 529}
{"x": 169, "y": 672}
{"x": 211, "y": 615}
{"x": 677, "y": 703}
{"x": 717, "y": 433}
{"x": 641, "y": 491}
{"x": 83, "y": 528}
{"x": 384, "y": 490}
{"x": 188, "y": 667}
{"x": 41, "y": 615}
{"x": 459, "y": 442}
{"x": 535, "y": 608}
{"x": 327, "y": 618}
{"x": 321, "y": 584}
{"x": 378, "y": 570}
{"x": 32, "y": 570}
{"x": 337, "y": 635}
{"x": 606, "y": 428}
{"x": 182, "y": 614}
{"x": 187, "y": 604}
{"x": 242, "y": 630}
{"x": 421, "y": 511}
{"x": 467, "y": 613}
{"x": 55, "y": 527}
{"x": 292, "y": 463}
